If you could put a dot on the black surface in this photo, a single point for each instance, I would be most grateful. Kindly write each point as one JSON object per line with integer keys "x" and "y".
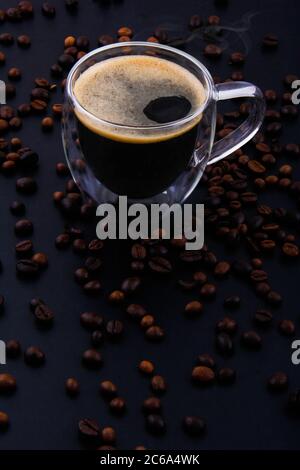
{"x": 244, "y": 416}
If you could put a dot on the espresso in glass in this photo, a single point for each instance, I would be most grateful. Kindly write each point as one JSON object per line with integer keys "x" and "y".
{"x": 127, "y": 105}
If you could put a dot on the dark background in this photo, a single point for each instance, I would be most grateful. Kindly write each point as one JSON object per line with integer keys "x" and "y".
{"x": 242, "y": 416}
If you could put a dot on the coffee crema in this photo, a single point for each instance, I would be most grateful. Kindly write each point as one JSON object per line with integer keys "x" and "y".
{"x": 127, "y": 106}
{"x": 119, "y": 89}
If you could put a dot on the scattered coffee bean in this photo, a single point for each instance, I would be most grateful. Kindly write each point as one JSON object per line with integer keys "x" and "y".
{"x": 108, "y": 435}
{"x": 13, "y": 348}
{"x": 8, "y": 383}
{"x": 72, "y": 387}
{"x": 287, "y": 327}
{"x": 108, "y": 389}
{"x": 117, "y": 405}
{"x": 158, "y": 384}
{"x": 146, "y": 367}
{"x": 155, "y": 424}
{"x": 89, "y": 429}
{"x": 91, "y": 320}
{"x": 203, "y": 375}
{"x": 251, "y": 340}
{"x": 194, "y": 426}
{"x": 92, "y": 359}
{"x": 226, "y": 376}
{"x": 34, "y": 356}
{"x": 155, "y": 333}
{"x": 278, "y": 381}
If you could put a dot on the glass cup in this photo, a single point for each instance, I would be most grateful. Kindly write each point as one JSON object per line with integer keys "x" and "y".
{"x": 105, "y": 168}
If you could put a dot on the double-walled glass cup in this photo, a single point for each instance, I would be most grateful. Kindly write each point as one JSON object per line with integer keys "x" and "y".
{"x": 166, "y": 162}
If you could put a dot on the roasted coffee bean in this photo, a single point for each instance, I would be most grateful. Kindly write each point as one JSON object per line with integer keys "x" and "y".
{"x": 41, "y": 259}
{"x": 278, "y": 381}
{"x": 13, "y": 14}
{"x": 203, "y": 375}
{"x": 108, "y": 435}
{"x": 160, "y": 265}
{"x": 206, "y": 360}
{"x": 8, "y": 383}
{"x": 186, "y": 285}
{"x": 152, "y": 405}
{"x": 27, "y": 268}
{"x": 270, "y": 41}
{"x": 43, "y": 315}
{"x": 108, "y": 389}
{"x": 190, "y": 256}
{"x": 26, "y": 8}
{"x": 35, "y": 302}
{"x": 232, "y": 302}
{"x": 95, "y": 246}
{"x": 195, "y": 22}
{"x": 251, "y": 340}
{"x": 29, "y": 160}
{"x": 194, "y": 426}
{"x": 224, "y": 344}
{"x": 26, "y": 185}
{"x": 89, "y": 429}
{"x": 13, "y": 348}
{"x": 72, "y": 387}
{"x": 158, "y": 384}
{"x": 105, "y": 40}
{"x": 155, "y": 333}
{"x": 193, "y": 308}
{"x": 222, "y": 268}
{"x": 17, "y": 208}
{"x": 258, "y": 275}
{"x": 114, "y": 329}
{"x": 93, "y": 264}
{"x": 290, "y": 250}
{"x": 91, "y": 320}
{"x": 263, "y": 317}
{"x": 287, "y": 327}
{"x": 208, "y": 291}
{"x": 212, "y": 51}
{"x": 138, "y": 251}
{"x": 24, "y": 41}
{"x": 47, "y": 124}
{"x": 146, "y": 367}
{"x": 274, "y": 298}
{"x": 34, "y": 356}
{"x": 116, "y": 297}
{"x": 227, "y": 325}
{"x": 294, "y": 403}
{"x": 237, "y": 58}
{"x": 147, "y": 321}
{"x": 136, "y": 311}
{"x": 4, "y": 421}
{"x": 155, "y": 424}
{"x": 24, "y": 248}
{"x": 200, "y": 277}
{"x": 63, "y": 241}
{"x": 130, "y": 285}
{"x": 92, "y": 287}
{"x": 6, "y": 39}
{"x": 226, "y": 376}
{"x": 97, "y": 338}
{"x": 14, "y": 73}
{"x": 79, "y": 246}
{"x": 92, "y": 359}
{"x": 117, "y": 405}
{"x": 48, "y": 10}
{"x": 2, "y": 58}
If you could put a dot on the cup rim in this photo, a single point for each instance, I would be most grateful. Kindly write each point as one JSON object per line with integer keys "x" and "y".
{"x": 164, "y": 126}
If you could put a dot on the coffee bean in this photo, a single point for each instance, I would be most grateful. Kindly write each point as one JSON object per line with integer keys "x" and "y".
{"x": 251, "y": 340}
{"x": 146, "y": 367}
{"x": 24, "y": 41}
{"x": 258, "y": 275}
{"x": 226, "y": 376}
{"x": 6, "y": 39}
{"x": 17, "y": 208}
{"x": 108, "y": 435}
{"x": 89, "y": 429}
{"x": 206, "y": 360}
{"x": 294, "y": 403}
{"x": 47, "y": 124}
{"x": 224, "y": 344}
{"x": 24, "y": 248}
{"x": 92, "y": 287}
{"x": 63, "y": 241}
{"x": 160, "y": 265}
{"x": 23, "y": 227}
{"x": 48, "y": 10}
{"x": 108, "y": 389}
{"x": 72, "y": 387}
{"x": 92, "y": 359}
{"x": 136, "y": 311}
{"x": 274, "y": 298}
{"x": 208, "y": 291}
{"x": 114, "y": 329}
{"x": 41, "y": 259}
{"x": 34, "y": 356}
{"x": 91, "y": 320}
{"x": 26, "y": 8}
{"x": 263, "y": 317}
{"x": 130, "y": 285}
{"x": 193, "y": 308}
{"x": 203, "y": 375}
{"x": 200, "y": 277}
{"x": 270, "y": 41}
{"x": 13, "y": 348}
{"x": 8, "y": 383}
{"x": 155, "y": 333}
{"x": 4, "y": 421}
{"x": 278, "y": 381}
{"x": 212, "y": 51}
{"x": 194, "y": 426}
{"x": 290, "y": 250}
{"x": 237, "y": 58}
{"x": 155, "y": 424}
{"x": 27, "y": 268}
{"x": 287, "y": 327}
{"x": 43, "y": 315}
{"x": 232, "y": 302}
{"x": 116, "y": 297}
{"x": 152, "y": 405}
{"x": 147, "y": 321}
{"x": 97, "y": 338}
{"x": 95, "y": 246}
{"x": 158, "y": 384}
{"x": 138, "y": 251}
{"x": 117, "y": 405}
{"x": 195, "y": 22}
{"x": 227, "y": 325}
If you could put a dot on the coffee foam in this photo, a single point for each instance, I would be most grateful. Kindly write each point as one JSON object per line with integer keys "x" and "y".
{"x": 117, "y": 90}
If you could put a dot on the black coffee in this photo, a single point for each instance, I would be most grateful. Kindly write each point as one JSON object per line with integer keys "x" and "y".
{"x": 131, "y": 95}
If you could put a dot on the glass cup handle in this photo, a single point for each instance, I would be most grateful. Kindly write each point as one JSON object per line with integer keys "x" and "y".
{"x": 245, "y": 132}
